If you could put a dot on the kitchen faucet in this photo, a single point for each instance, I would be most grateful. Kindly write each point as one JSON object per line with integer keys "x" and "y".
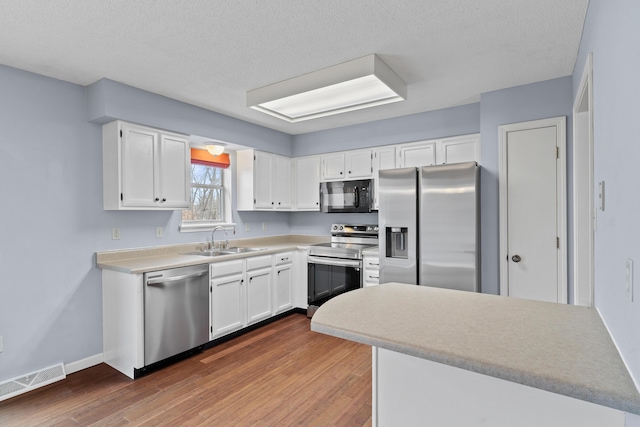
{"x": 216, "y": 228}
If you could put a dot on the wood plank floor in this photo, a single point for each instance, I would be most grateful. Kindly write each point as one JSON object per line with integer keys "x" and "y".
{"x": 281, "y": 374}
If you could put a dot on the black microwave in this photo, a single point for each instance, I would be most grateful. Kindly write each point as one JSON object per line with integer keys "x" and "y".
{"x": 346, "y": 196}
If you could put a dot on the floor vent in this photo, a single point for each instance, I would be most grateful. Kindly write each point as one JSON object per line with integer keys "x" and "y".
{"x": 32, "y": 381}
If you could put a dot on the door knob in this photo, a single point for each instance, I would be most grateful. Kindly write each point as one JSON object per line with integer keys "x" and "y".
{"x": 516, "y": 258}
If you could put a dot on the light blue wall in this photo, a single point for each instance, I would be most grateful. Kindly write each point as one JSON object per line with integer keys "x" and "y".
{"x": 108, "y": 100}
{"x": 429, "y": 125}
{"x": 53, "y": 221}
{"x": 612, "y": 33}
{"x": 551, "y": 98}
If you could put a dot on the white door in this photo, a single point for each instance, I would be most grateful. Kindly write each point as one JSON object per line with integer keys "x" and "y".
{"x": 226, "y": 304}
{"x": 175, "y": 173}
{"x": 263, "y": 175}
{"x": 307, "y": 183}
{"x": 358, "y": 164}
{"x": 139, "y": 180}
{"x": 283, "y": 291}
{"x": 417, "y": 154}
{"x": 258, "y": 295}
{"x": 532, "y": 209}
{"x": 282, "y": 183}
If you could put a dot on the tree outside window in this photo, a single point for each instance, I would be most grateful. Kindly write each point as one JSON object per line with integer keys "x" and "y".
{"x": 207, "y": 195}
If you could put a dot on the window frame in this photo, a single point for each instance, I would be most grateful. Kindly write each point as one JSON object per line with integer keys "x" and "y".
{"x": 188, "y": 226}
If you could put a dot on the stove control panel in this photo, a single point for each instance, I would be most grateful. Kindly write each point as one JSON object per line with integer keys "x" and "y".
{"x": 353, "y": 229}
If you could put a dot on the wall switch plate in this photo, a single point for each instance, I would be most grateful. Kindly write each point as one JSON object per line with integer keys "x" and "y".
{"x": 1, "y": 345}
{"x": 264, "y": 225}
{"x": 247, "y": 226}
{"x": 629, "y": 278}
{"x": 115, "y": 233}
{"x": 159, "y": 232}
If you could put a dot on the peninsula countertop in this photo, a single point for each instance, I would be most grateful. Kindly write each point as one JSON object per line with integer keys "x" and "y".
{"x": 559, "y": 348}
{"x": 143, "y": 260}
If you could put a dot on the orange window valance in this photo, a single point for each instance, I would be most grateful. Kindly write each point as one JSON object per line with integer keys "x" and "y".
{"x": 203, "y": 157}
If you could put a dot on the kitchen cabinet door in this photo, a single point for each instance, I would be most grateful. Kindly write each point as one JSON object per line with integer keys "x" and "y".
{"x": 333, "y": 167}
{"x": 227, "y": 304}
{"x": 358, "y": 164}
{"x": 144, "y": 168}
{"x": 417, "y": 154}
{"x": 281, "y": 186}
{"x": 458, "y": 149}
{"x": 283, "y": 281}
{"x": 174, "y": 173}
{"x": 383, "y": 158}
{"x": 283, "y": 288}
{"x": 139, "y": 171}
{"x": 307, "y": 183}
{"x": 258, "y": 295}
{"x": 262, "y": 180}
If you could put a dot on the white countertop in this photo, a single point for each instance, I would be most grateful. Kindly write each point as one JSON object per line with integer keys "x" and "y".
{"x": 136, "y": 261}
{"x": 560, "y": 348}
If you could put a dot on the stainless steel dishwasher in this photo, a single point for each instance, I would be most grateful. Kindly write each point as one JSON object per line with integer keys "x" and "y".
{"x": 176, "y": 311}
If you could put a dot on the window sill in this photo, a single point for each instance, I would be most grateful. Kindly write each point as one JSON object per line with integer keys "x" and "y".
{"x": 196, "y": 227}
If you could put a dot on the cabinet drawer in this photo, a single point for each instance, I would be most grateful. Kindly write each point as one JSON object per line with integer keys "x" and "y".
{"x": 226, "y": 268}
{"x": 284, "y": 258}
{"x": 371, "y": 263}
{"x": 257, "y": 262}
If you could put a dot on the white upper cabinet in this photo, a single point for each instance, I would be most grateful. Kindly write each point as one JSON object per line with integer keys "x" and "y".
{"x": 457, "y": 149}
{"x": 282, "y": 184}
{"x": 333, "y": 166}
{"x": 347, "y": 165}
{"x": 144, "y": 168}
{"x": 307, "y": 183}
{"x": 264, "y": 181}
{"x": 417, "y": 154}
{"x": 383, "y": 158}
{"x": 359, "y": 164}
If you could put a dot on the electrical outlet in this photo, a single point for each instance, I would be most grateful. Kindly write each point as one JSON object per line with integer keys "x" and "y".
{"x": 115, "y": 233}
{"x": 1, "y": 344}
{"x": 264, "y": 225}
{"x": 629, "y": 278}
{"x": 247, "y": 226}
{"x": 159, "y": 232}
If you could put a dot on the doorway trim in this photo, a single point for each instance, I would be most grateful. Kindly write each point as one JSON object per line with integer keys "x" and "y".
{"x": 561, "y": 215}
{"x": 583, "y": 264}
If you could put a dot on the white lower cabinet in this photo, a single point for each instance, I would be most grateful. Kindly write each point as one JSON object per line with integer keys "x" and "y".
{"x": 283, "y": 282}
{"x": 259, "y": 306}
{"x": 371, "y": 269}
{"x": 227, "y": 297}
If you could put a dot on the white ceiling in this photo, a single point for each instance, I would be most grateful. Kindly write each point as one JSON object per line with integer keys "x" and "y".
{"x": 211, "y": 52}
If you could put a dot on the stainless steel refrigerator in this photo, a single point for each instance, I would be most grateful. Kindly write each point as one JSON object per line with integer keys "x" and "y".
{"x": 429, "y": 220}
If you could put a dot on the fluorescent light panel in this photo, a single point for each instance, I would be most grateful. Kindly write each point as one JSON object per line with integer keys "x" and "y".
{"x": 353, "y": 85}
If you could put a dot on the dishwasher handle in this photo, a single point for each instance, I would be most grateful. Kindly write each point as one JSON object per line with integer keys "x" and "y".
{"x": 162, "y": 280}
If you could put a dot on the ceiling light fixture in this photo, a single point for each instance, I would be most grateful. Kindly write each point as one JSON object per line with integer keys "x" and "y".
{"x": 353, "y": 85}
{"x": 215, "y": 149}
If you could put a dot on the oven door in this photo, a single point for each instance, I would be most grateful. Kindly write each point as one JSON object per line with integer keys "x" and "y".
{"x": 329, "y": 277}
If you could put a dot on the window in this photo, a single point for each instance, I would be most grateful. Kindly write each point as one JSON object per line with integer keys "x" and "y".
{"x": 210, "y": 192}
{"x": 207, "y": 194}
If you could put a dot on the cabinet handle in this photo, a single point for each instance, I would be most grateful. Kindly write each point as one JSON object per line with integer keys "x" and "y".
{"x": 349, "y": 172}
{"x": 164, "y": 199}
{"x": 340, "y": 172}
{"x": 279, "y": 203}
{"x": 157, "y": 199}
{"x": 272, "y": 203}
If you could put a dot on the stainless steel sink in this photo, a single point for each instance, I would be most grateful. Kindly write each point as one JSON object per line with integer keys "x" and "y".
{"x": 208, "y": 253}
{"x": 229, "y": 251}
{"x": 241, "y": 250}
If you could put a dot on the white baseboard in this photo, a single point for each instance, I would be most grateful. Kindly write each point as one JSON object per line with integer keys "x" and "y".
{"x": 79, "y": 365}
